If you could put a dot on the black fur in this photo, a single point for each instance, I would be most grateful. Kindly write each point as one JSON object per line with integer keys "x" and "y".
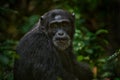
{"x": 40, "y": 60}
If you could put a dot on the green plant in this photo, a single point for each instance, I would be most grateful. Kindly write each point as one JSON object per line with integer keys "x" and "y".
{"x": 7, "y": 56}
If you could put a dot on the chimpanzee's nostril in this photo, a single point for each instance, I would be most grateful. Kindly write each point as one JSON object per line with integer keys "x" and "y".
{"x": 60, "y": 33}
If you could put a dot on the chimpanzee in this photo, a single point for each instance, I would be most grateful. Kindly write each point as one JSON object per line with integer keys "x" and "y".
{"x": 46, "y": 51}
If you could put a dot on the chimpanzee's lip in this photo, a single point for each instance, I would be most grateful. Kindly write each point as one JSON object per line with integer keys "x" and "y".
{"x": 61, "y": 42}
{"x": 61, "y": 39}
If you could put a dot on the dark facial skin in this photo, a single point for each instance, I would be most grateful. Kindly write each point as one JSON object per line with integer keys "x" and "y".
{"x": 60, "y": 28}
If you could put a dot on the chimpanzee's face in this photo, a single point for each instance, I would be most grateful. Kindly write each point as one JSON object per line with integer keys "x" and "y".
{"x": 61, "y": 31}
{"x": 59, "y": 25}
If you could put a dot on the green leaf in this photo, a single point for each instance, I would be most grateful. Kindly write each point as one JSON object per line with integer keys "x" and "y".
{"x": 29, "y": 23}
{"x": 101, "y": 31}
{"x": 4, "y": 60}
{"x": 80, "y": 58}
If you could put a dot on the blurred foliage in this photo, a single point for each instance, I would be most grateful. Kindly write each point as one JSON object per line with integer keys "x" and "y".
{"x": 88, "y": 47}
{"x": 7, "y": 56}
{"x": 112, "y": 62}
{"x": 30, "y": 21}
{"x": 96, "y": 38}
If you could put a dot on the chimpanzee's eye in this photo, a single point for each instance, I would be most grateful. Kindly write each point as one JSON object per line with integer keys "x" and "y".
{"x": 53, "y": 25}
{"x": 64, "y": 24}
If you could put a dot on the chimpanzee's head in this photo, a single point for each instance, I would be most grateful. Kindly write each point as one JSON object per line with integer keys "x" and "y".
{"x": 59, "y": 25}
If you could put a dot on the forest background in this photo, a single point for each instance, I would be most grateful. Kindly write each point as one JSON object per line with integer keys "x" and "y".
{"x": 97, "y": 37}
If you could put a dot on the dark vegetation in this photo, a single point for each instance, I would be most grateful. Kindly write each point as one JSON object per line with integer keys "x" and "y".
{"x": 96, "y": 39}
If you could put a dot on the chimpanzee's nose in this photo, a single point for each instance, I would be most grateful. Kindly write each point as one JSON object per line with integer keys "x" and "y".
{"x": 60, "y": 33}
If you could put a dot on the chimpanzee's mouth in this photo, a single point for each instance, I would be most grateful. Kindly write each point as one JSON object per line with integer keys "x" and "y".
{"x": 62, "y": 43}
{"x": 61, "y": 39}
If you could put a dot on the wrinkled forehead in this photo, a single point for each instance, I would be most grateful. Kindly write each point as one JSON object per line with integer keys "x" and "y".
{"x": 59, "y": 18}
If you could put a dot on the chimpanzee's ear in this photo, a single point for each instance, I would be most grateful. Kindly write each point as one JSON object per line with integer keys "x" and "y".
{"x": 41, "y": 23}
{"x": 42, "y": 17}
{"x": 73, "y": 15}
{"x": 41, "y": 20}
{"x": 73, "y": 18}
